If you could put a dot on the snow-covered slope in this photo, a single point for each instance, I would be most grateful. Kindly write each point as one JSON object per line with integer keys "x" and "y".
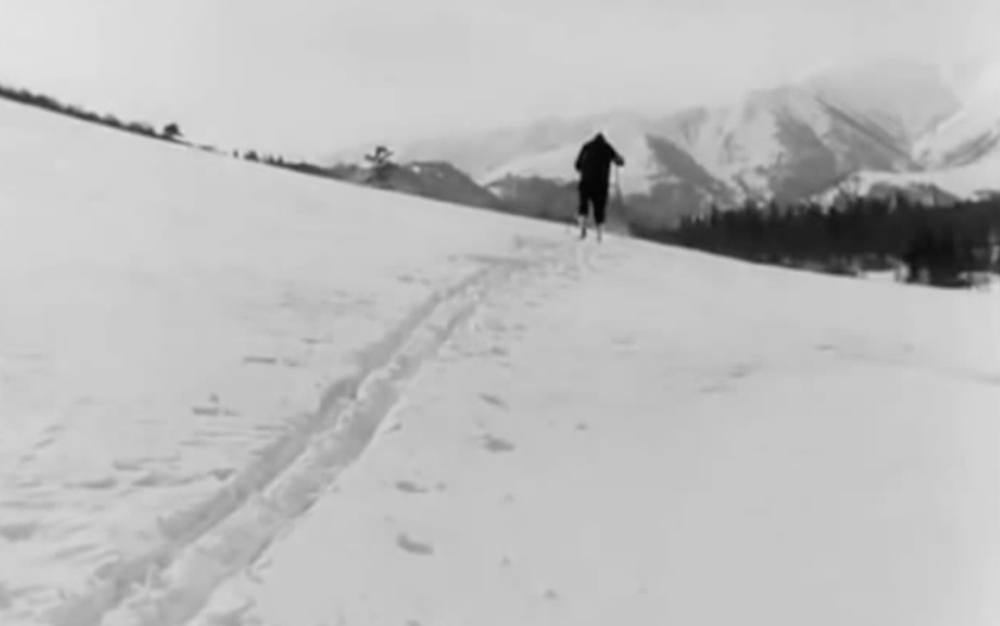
{"x": 972, "y": 134}
{"x": 938, "y": 187}
{"x": 783, "y": 142}
{"x": 234, "y": 395}
{"x": 959, "y": 155}
{"x": 907, "y": 99}
{"x": 737, "y": 445}
{"x": 171, "y": 321}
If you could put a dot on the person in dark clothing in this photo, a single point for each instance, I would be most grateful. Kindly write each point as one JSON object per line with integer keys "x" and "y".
{"x": 594, "y": 166}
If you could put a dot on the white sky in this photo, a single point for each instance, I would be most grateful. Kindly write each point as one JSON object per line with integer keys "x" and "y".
{"x": 313, "y": 76}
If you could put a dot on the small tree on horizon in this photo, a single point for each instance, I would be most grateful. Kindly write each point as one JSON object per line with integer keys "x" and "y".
{"x": 381, "y": 164}
{"x": 172, "y": 131}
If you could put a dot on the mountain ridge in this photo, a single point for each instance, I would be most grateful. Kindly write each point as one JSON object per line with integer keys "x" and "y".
{"x": 788, "y": 142}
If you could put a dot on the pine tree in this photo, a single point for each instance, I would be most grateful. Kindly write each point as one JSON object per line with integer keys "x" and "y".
{"x": 381, "y": 165}
{"x": 172, "y": 131}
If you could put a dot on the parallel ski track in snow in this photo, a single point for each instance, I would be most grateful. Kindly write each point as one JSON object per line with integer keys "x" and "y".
{"x": 210, "y": 542}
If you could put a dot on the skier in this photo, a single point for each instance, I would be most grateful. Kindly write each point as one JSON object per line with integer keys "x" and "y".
{"x": 594, "y": 165}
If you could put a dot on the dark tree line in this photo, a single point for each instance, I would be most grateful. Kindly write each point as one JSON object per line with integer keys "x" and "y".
{"x": 170, "y": 132}
{"x": 302, "y": 167}
{"x": 938, "y": 246}
{"x": 377, "y": 174}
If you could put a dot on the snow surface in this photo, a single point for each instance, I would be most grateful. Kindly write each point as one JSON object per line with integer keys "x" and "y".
{"x": 233, "y": 395}
{"x": 171, "y": 321}
{"x": 613, "y": 440}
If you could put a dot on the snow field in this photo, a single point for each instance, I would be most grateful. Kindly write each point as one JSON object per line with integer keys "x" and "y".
{"x": 634, "y": 437}
{"x": 234, "y": 395}
{"x": 171, "y": 320}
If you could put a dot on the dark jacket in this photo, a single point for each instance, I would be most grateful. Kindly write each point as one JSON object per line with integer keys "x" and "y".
{"x": 594, "y": 161}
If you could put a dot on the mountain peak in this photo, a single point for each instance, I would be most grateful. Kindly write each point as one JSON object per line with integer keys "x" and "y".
{"x": 907, "y": 97}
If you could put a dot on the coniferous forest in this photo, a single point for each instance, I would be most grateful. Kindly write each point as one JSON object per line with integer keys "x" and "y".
{"x": 947, "y": 247}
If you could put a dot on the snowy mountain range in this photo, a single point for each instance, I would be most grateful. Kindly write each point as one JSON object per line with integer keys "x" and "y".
{"x": 896, "y": 122}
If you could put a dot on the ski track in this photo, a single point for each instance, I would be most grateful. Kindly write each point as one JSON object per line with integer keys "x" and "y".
{"x": 213, "y": 540}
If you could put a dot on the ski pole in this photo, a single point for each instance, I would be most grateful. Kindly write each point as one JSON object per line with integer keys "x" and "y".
{"x": 618, "y": 192}
{"x": 618, "y": 186}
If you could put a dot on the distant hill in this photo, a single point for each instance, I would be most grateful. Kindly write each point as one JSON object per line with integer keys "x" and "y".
{"x": 429, "y": 179}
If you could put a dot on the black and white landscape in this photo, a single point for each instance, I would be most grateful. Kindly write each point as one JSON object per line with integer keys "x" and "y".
{"x": 245, "y": 389}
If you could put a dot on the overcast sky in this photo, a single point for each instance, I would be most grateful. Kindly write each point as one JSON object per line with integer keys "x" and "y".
{"x": 312, "y": 76}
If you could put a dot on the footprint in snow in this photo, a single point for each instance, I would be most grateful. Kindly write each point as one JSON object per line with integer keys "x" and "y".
{"x": 260, "y": 360}
{"x": 98, "y": 484}
{"x": 18, "y": 532}
{"x": 494, "y": 400}
{"x": 127, "y": 465}
{"x": 498, "y": 445}
{"x": 214, "y": 411}
{"x": 155, "y": 479}
{"x": 407, "y": 486}
{"x": 221, "y": 474}
{"x": 414, "y": 547}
